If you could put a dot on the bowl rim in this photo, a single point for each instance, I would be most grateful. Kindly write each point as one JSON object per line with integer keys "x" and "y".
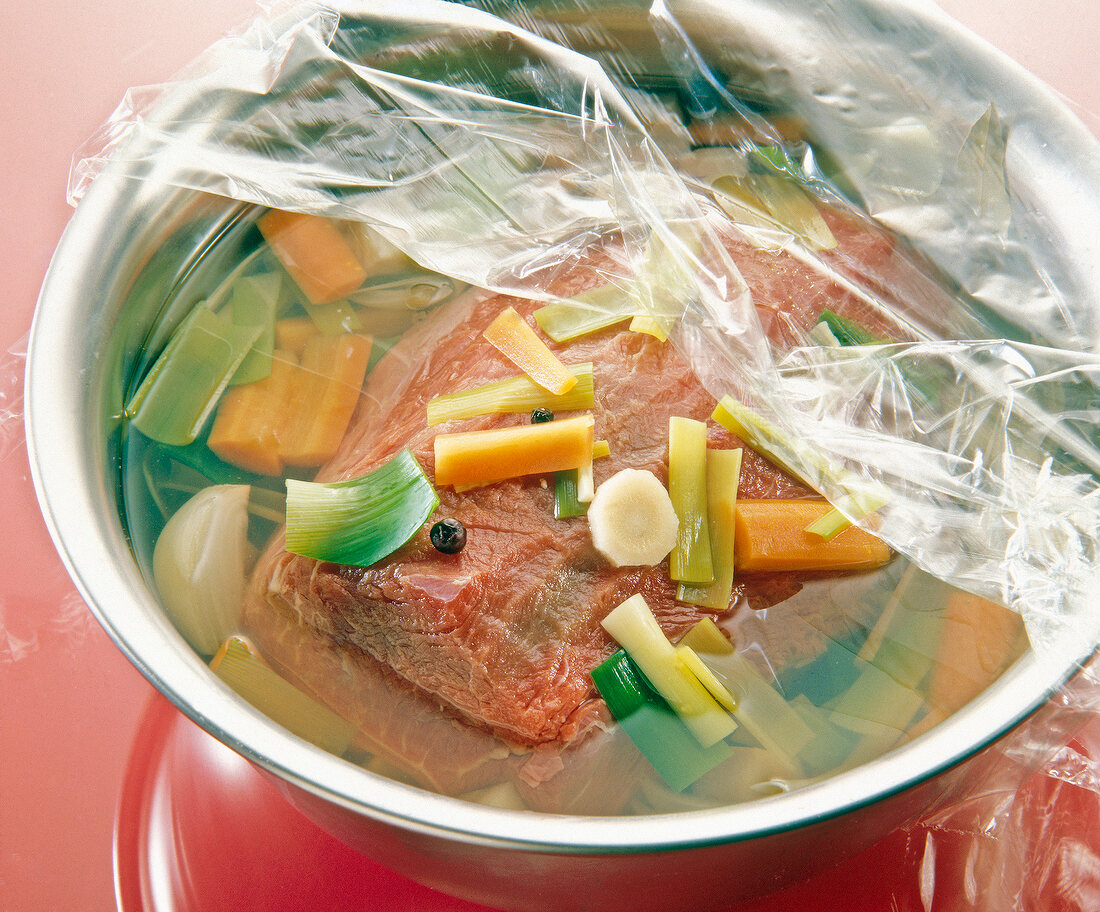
{"x": 89, "y": 549}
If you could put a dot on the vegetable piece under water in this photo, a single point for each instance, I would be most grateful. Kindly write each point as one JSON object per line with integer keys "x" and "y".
{"x": 362, "y": 520}
{"x": 199, "y": 565}
{"x": 634, "y": 627}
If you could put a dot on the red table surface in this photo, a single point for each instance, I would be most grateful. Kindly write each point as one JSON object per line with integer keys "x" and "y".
{"x": 74, "y": 715}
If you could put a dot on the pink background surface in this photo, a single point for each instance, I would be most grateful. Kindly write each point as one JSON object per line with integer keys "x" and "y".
{"x": 70, "y": 704}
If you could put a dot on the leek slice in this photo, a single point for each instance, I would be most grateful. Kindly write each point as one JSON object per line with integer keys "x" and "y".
{"x": 687, "y": 486}
{"x": 334, "y": 318}
{"x": 182, "y": 387}
{"x": 723, "y": 474}
{"x": 653, "y": 726}
{"x": 360, "y": 521}
{"x": 761, "y": 709}
{"x": 253, "y": 679}
{"x": 513, "y": 396}
{"x": 587, "y": 312}
{"x": 254, "y": 301}
{"x": 635, "y": 628}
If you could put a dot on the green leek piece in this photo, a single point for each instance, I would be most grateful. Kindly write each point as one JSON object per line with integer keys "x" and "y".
{"x": 182, "y": 387}
{"x": 848, "y": 332}
{"x": 251, "y": 678}
{"x": 760, "y": 708}
{"x": 512, "y": 396}
{"x": 723, "y": 473}
{"x": 634, "y": 627}
{"x": 588, "y": 312}
{"x": 876, "y": 697}
{"x": 360, "y": 521}
{"x": 691, "y": 560}
{"x": 254, "y": 301}
{"x": 653, "y": 726}
{"x": 566, "y": 502}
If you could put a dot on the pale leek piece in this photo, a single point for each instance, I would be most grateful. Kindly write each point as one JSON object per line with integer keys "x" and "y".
{"x": 587, "y": 312}
{"x": 199, "y": 565}
{"x": 182, "y": 387}
{"x": 687, "y": 486}
{"x": 635, "y": 628}
{"x": 254, "y": 680}
{"x": 723, "y": 474}
{"x": 706, "y": 677}
{"x": 254, "y": 301}
{"x": 334, "y": 318}
{"x": 766, "y": 715}
{"x": 360, "y": 521}
{"x": 780, "y": 184}
{"x": 775, "y": 445}
{"x": 514, "y": 395}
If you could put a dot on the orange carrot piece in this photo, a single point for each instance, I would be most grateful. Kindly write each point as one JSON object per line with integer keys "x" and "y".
{"x": 251, "y": 419}
{"x": 474, "y": 457}
{"x": 314, "y": 252}
{"x": 517, "y": 341}
{"x": 292, "y": 333}
{"x": 331, "y": 377}
{"x": 771, "y": 535}
{"x": 979, "y": 640}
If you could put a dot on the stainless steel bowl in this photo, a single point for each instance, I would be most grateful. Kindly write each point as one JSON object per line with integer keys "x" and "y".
{"x": 87, "y": 334}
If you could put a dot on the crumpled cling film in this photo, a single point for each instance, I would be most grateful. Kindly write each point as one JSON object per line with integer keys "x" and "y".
{"x": 501, "y": 143}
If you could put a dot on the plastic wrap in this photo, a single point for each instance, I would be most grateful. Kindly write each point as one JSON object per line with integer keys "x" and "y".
{"x": 503, "y": 144}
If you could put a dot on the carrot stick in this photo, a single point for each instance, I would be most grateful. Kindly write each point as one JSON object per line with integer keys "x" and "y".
{"x": 332, "y": 371}
{"x": 771, "y": 535}
{"x": 314, "y": 252}
{"x": 515, "y": 339}
{"x": 251, "y": 418}
{"x": 474, "y": 457}
{"x": 299, "y": 414}
{"x": 292, "y": 333}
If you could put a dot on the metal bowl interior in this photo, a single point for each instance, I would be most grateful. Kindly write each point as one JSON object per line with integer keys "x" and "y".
{"x": 87, "y": 334}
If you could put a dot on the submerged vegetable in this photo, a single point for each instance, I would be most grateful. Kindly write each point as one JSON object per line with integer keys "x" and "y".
{"x": 182, "y": 388}
{"x": 632, "y": 520}
{"x": 199, "y": 565}
{"x": 510, "y": 334}
{"x": 658, "y": 733}
{"x": 245, "y": 671}
{"x": 362, "y": 520}
{"x": 514, "y": 395}
{"x": 298, "y": 415}
{"x": 253, "y": 302}
{"x": 314, "y": 252}
{"x": 634, "y": 627}
{"x": 478, "y": 457}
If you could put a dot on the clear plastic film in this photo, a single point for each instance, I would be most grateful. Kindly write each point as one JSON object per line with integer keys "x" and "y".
{"x": 696, "y": 152}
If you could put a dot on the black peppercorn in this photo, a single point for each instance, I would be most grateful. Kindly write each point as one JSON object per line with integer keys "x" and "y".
{"x": 448, "y": 536}
{"x": 541, "y": 415}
